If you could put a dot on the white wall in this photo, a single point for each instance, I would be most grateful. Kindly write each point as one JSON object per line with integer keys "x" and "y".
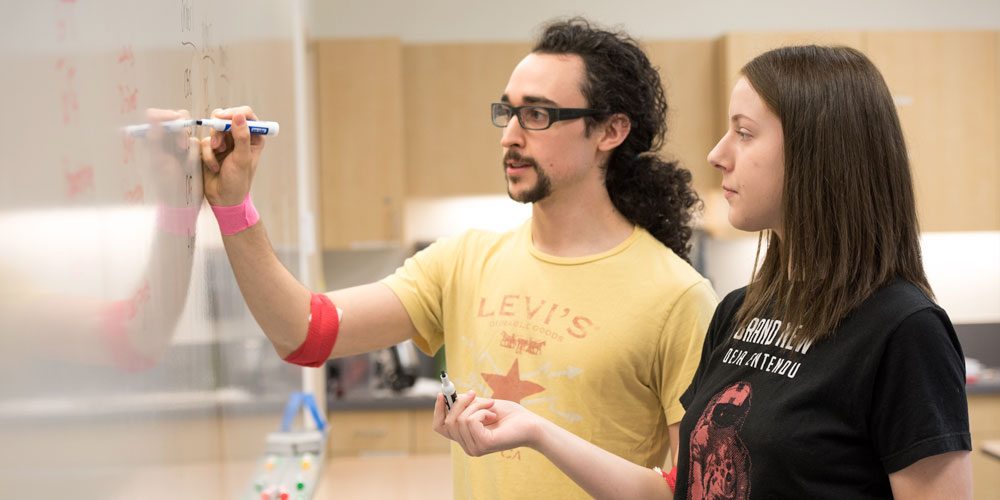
{"x": 427, "y": 219}
{"x": 478, "y": 20}
{"x": 962, "y": 268}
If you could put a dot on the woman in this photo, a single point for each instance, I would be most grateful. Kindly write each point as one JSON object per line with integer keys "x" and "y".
{"x": 832, "y": 374}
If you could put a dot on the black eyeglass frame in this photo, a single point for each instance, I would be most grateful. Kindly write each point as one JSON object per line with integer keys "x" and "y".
{"x": 555, "y": 114}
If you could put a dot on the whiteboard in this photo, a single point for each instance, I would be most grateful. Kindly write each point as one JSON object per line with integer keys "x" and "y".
{"x": 127, "y": 356}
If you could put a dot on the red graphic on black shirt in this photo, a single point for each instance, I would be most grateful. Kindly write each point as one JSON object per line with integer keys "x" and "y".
{"x": 720, "y": 462}
{"x": 510, "y": 386}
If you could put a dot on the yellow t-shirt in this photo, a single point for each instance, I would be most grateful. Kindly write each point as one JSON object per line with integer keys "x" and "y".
{"x": 602, "y": 345}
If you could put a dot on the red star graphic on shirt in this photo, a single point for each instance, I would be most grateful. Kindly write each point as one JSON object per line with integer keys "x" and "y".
{"x": 510, "y": 386}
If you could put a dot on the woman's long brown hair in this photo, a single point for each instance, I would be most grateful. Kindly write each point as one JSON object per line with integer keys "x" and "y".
{"x": 850, "y": 223}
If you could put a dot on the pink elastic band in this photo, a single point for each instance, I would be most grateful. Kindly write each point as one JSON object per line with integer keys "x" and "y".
{"x": 324, "y": 323}
{"x": 236, "y": 218}
{"x": 672, "y": 480}
{"x": 177, "y": 220}
{"x": 669, "y": 477}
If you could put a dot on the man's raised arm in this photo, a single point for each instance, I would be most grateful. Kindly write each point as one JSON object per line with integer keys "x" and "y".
{"x": 299, "y": 323}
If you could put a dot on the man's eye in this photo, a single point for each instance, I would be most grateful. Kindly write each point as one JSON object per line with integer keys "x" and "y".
{"x": 536, "y": 114}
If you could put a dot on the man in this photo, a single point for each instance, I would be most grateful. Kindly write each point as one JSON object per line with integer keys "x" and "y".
{"x": 588, "y": 313}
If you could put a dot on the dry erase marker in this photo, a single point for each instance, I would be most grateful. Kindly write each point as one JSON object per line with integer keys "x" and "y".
{"x": 170, "y": 126}
{"x": 448, "y": 389}
{"x": 256, "y": 127}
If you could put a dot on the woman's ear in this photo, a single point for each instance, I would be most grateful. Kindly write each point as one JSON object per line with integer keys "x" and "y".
{"x": 615, "y": 130}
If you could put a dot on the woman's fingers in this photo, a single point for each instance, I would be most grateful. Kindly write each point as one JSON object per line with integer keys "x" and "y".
{"x": 466, "y": 423}
{"x": 439, "y": 416}
{"x": 208, "y": 158}
{"x": 478, "y": 433}
{"x": 469, "y": 422}
{"x": 458, "y": 406}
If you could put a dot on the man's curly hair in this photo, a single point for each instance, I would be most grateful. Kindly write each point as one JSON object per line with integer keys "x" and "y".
{"x": 650, "y": 192}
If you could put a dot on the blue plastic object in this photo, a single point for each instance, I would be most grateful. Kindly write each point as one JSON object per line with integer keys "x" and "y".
{"x": 295, "y": 402}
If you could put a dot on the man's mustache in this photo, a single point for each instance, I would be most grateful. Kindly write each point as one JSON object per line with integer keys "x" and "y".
{"x": 514, "y": 156}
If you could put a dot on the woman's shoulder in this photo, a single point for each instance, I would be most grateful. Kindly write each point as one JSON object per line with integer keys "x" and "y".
{"x": 734, "y": 299}
{"x": 891, "y": 307}
{"x": 898, "y": 298}
{"x": 725, "y": 312}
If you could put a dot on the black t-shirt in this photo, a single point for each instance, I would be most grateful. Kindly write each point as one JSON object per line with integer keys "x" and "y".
{"x": 767, "y": 418}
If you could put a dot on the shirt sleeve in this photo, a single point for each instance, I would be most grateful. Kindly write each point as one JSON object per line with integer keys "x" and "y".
{"x": 684, "y": 335}
{"x": 419, "y": 284}
{"x": 919, "y": 406}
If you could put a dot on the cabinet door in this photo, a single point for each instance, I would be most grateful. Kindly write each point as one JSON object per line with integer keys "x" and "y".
{"x": 369, "y": 432}
{"x": 739, "y": 48}
{"x": 945, "y": 87}
{"x": 689, "y": 71}
{"x": 360, "y": 98}
{"x": 425, "y": 440}
{"x": 452, "y": 149}
{"x": 984, "y": 422}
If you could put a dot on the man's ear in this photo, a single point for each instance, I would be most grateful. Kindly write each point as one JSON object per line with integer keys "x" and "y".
{"x": 615, "y": 130}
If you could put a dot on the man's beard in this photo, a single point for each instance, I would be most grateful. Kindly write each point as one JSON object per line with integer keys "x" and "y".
{"x": 542, "y": 188}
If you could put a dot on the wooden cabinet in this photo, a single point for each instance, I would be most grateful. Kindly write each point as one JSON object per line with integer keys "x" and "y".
{"x": 739, "y": 48}
{"x": 425, "y": 440}
{"x": 945, "y": 86}
{"x": 688, "y": 69}
{"x": 452, "y": 149}
{"x": 411, "y": 121}
{"x": 368, "y": 432}
{"x": 984, "y": 420}
{"x": 360, "y": 98}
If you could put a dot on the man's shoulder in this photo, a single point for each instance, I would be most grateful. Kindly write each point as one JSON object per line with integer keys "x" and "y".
{"x": 660, "y": 260}
{"x": 478, "y": 239}
{"x": 471, "y": 242}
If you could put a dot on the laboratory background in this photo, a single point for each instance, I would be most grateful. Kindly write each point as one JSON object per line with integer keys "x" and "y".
{"x": 130, "y": 366}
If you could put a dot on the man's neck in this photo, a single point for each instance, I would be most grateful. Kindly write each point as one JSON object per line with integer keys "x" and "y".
{"x": 578, "y": 227}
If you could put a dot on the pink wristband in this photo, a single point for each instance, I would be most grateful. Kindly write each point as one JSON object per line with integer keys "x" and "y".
{"x": 236, "y": 218}
{"x": 177, "y": 220}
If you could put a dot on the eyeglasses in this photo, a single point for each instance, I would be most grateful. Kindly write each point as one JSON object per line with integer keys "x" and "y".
{"x": 536, "y": 117}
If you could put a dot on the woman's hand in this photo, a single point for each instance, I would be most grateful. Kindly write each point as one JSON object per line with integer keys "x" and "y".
{"x": 230, "y": 158}
{"x": 483, "y": 426}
